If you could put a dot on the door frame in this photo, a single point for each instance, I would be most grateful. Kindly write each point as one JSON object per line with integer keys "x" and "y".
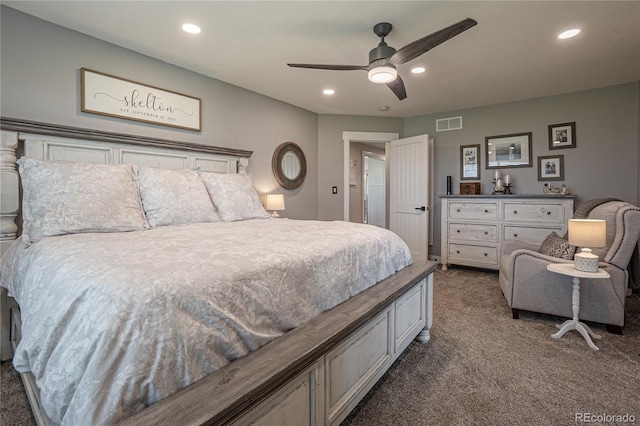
{"x": 364, "y": 137}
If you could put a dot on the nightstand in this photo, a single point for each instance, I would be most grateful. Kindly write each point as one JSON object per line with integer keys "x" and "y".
{"x": 575, "y": 324}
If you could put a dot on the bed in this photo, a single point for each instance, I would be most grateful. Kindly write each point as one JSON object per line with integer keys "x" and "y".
{"x": 131, "y": 339}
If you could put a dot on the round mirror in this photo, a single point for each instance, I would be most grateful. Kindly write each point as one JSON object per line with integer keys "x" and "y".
{"x": 289, "y": 165}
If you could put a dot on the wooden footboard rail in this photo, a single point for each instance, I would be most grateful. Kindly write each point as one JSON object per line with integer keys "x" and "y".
{"x": 317, "y": 373}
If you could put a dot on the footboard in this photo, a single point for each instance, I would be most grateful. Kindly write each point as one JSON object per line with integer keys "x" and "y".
{"x": 313, "y": 375}
{"x": 317, "y": 373}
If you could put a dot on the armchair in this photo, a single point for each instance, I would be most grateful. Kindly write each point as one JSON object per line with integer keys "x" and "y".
{"x": 527, "y": 285}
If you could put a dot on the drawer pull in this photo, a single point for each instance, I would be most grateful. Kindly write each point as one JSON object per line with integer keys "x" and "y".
{"x": 458, "y": 231}
{"x": 515, "y": 212}
{"x": 486, "y": 211}
{"x": 486, "y": 232}
{"x": 515, "y": 235}
{"x": 486, "y": 254}
{"x": 548, "y": 212}
{"x": 458, "y": 251}
{"x": 458, "y": 210}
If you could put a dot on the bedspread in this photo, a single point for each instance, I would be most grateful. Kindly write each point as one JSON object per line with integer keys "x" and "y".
{"x": 112, "y": 323}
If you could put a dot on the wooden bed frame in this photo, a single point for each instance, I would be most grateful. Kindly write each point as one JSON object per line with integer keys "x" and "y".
{"x": 315, "y": 374}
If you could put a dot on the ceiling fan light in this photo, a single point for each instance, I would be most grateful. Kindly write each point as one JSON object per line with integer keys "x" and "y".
{"x": 384, "y": 74}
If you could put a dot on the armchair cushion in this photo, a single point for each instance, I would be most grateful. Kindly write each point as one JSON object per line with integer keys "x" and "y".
{"x": 556, "y": 246}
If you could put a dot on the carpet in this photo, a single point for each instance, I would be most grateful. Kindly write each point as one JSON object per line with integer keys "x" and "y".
{"x": 481, "y": 367}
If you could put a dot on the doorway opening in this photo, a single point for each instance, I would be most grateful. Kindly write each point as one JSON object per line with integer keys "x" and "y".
{"x": 350, "y": 169}
{"x": 374, "y": 189}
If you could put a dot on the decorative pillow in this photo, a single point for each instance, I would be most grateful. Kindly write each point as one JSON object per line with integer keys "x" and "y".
{"x": 234, "y": 196}
{"x": 557, "y": 246}
{"x": 174, "y": 197}
{"x": 61, "y": 197}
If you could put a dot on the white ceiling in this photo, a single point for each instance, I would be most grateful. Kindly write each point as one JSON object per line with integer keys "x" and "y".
{"x": 512, "y": 53}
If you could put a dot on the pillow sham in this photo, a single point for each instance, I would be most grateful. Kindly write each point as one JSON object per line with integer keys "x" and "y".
{"x": 556, "y": 246}
{"x": 61, "y": 197}
{"x": 234, "y": 196}
{"x": 174, "y": 197}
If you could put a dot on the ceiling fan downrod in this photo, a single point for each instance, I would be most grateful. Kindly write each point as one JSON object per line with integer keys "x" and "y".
{"x": 383, "y": 51}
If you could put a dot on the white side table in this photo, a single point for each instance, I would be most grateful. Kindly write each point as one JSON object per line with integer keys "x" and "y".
{"x": 574, "y": 324}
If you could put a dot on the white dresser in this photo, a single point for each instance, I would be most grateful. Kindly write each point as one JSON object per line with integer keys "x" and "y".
{"x": 474, "y": 226}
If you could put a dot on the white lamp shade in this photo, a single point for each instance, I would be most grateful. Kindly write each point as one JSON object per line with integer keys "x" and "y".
{"x": 384, "y": 74}
{"x": 587, "y": 232}
{"x": 275, "y": 202}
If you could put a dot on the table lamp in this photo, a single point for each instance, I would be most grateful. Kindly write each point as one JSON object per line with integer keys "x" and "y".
{"x": 275, "y": 202}
{"x": 586, "y": 233}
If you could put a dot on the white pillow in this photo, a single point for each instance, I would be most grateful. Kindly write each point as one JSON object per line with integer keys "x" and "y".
{"x": 234, "y": 196}
{"x": 174, "y": 197}
{"x": 61, "y": 197}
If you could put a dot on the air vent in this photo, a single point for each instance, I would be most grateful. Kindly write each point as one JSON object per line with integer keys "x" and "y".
{"x": 451, "y": 123}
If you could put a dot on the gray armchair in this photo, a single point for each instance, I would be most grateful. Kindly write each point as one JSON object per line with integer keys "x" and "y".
{"x": 527, "y": 285}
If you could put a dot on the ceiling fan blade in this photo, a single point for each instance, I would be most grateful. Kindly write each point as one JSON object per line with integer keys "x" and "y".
{"x": 397, "y": 87}
{"x": 331, "y": 67}
{"x": 418, "y": 47}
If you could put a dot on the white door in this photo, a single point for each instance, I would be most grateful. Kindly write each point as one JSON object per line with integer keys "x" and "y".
{"x": 374, "y": 191}
{"x": 409, "y": 183}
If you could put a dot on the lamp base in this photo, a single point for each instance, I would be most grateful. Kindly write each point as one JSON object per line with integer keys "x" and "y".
{"x": 275, "y": 214}
{"x": 586, "y": 261}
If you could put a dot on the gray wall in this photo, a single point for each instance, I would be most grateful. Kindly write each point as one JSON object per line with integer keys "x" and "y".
{"x": 331, "y": 156}
{"x": 40, "y": 81}
{"x": 604, "y": 163}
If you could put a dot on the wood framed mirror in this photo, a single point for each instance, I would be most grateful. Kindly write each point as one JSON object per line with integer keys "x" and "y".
{"x": 289, "y": 165}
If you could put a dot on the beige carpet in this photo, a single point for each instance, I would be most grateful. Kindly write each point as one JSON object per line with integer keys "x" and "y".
{"x": 481, "y": 367}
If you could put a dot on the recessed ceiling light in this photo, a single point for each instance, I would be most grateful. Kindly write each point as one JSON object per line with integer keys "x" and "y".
{"x": 569, "y": 33}
{"x": 418, "y": 70}
{"x": 191, "y": 28}
{"x": 328, "y": 91}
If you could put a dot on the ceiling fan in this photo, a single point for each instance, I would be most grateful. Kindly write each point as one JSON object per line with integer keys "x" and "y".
{"x": 384, "y": 59}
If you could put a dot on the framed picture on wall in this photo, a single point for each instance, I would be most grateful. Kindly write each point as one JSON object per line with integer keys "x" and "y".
{"x": 551, "y": 167}
{"x": 508, "y": 150}
{"x": 105, "y": 94}
{"x": 562, "y": 135}
{"x": 470, "y": 162}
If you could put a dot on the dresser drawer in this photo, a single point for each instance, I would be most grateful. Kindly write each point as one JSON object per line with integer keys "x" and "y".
{"x": 533, "y": 212}
{"x": 479, "y": 254}
{"x": 473, "y": 232}
{"x": 479, "y": 211}
{"x": 529, "y": 234}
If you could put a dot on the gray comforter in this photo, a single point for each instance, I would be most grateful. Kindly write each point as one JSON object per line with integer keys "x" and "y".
{"x": 112, "y": 323}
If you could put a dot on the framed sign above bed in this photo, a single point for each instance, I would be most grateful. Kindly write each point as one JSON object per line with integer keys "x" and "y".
{"x": 107, "y": 95}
